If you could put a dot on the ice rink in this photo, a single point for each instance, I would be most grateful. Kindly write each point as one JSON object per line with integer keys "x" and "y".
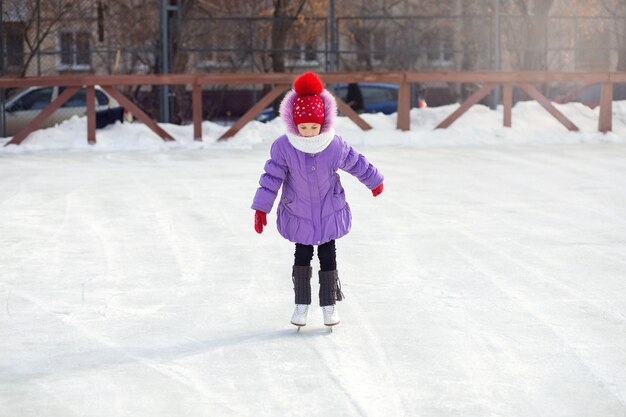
{"x": 485, "y": 281}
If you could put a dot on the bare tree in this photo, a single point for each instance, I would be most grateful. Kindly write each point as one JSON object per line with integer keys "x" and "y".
{"x": 617, "y": 8}
{"x": 133, "y": 36}
{"x": 285, "y": 14}
{"x": 535, "y": 26}
{"x": 39, "y": 20}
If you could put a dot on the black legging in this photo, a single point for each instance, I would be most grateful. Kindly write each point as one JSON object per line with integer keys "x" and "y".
{"x": 326, "y": 253}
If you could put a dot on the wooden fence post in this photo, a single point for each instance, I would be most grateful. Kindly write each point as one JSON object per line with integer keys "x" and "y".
{"x": 605, "y": 123}
{"x": 91, "y": 114}
{"x": 404, "y": 107}
{"x": 507, "y": 102}
{"x": 196, "y": 98}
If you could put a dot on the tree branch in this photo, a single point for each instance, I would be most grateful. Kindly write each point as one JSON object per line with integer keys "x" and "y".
{"x": 302, "y": 3}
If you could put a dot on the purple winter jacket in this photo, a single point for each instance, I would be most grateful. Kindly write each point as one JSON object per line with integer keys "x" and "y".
{"x": 312, "y": 208}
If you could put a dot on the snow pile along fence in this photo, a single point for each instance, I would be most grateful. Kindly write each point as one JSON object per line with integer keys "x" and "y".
{"x": 283, "y": 81}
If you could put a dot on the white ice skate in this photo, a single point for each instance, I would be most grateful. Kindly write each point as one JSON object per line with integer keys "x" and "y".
{"x": 331, "y": 316}
{"x": 299, "y": 315}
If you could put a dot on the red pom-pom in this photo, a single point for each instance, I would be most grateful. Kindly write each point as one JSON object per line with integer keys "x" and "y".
{"x": 308, "y": 83}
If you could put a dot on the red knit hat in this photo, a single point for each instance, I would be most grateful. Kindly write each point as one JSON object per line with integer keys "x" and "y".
{"x": 308, "y": 107}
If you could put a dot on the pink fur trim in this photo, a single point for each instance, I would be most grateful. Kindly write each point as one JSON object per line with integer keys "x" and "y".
{"x": 286, "y": 111}
{"x": 330, "y": 111}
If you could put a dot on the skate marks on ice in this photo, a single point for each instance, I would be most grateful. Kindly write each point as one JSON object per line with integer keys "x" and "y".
{"x": 103, "y": 355}
{"x": 181, "y": 367}
{"x": 547, "y": 323}
{"x": 353, "y": 360}
{"x": 530, "y": 321}
{"x": 356, "y": 362}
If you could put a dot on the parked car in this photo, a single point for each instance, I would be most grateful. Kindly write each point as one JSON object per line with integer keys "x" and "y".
{"x": 22, "y": 107}
{"x": 590, "y": 94}
{"x": 377, "y": 98}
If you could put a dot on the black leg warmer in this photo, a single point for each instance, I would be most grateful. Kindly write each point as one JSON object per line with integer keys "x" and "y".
{"x": 330, "y": 288}
{"x": 301, "y": 278}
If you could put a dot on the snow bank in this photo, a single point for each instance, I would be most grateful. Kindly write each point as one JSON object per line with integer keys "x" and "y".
{"x": 479, "y": 126}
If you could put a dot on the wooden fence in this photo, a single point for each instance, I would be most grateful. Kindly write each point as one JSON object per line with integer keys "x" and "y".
{"x": 282, "y": 82}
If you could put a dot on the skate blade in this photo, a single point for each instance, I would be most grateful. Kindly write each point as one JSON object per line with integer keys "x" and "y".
{"x": 298, "y": 325}
{"x": 332, "y": 324}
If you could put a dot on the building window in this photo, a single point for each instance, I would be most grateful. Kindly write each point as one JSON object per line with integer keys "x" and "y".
{"x": 379, "y": 42}
{"x": 371, "y": 46}
{"x": 439, "y": 53}
{"x": 75, "y": 50}
{"x": 14, "y": 46}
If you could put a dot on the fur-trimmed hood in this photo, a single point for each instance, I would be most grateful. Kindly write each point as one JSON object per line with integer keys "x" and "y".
{"x": 330, "y": 111}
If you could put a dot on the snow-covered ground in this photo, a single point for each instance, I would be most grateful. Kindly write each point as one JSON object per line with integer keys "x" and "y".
{"x": 489, "y": 279}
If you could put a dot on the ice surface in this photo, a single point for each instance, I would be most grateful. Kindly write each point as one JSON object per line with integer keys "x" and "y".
{"x": 487, "y": 280}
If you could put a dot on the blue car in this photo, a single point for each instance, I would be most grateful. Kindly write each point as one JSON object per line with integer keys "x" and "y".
{"x": 377, "y": 98}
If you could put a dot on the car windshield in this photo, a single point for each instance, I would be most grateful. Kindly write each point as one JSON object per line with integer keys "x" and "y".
{"x": 77, "y": 100}
{"x": 102, "y": 98}
{"x": 371, "y": 94}
{"x": 34, "y": 100}
{"x": 377, "y": 95}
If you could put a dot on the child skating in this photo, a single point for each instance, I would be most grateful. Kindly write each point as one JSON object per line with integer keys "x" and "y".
{"x": 312, "y": 210}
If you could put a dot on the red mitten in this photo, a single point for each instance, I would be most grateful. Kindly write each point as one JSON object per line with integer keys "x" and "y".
{"x": 376, "y": 191}
{"x": 260, "y": 220}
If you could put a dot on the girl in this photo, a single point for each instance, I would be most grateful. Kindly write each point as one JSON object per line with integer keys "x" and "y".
{"x": 312, "y": 208}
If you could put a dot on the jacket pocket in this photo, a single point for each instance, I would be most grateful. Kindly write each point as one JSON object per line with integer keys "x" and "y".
{"x": 288, "y": 199}
{"x": 339, "y": 197}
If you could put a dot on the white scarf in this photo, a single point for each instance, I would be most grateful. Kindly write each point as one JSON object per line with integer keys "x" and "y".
{"x": 312, "y": 144}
